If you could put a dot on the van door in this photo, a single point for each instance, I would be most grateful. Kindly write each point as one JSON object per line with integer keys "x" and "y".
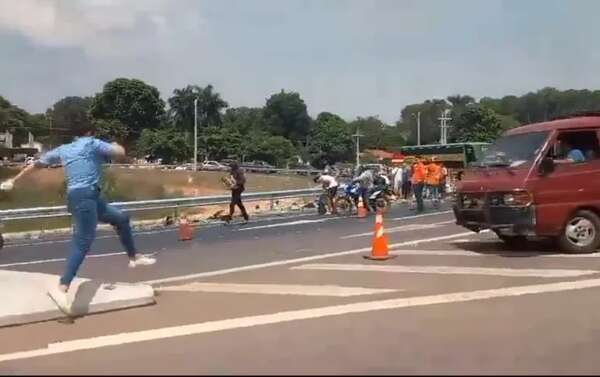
{"x": 571, "y": 185}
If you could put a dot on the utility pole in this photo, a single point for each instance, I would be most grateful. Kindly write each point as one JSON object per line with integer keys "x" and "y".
{"x": 418, "y": 127}
{"x": 444, "y": 127}
{"x": 357, "y": 135}
{"x": 196, "y": 134}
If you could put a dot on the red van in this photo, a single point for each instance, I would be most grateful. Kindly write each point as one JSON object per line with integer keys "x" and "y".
{"x": 540, "y": 180}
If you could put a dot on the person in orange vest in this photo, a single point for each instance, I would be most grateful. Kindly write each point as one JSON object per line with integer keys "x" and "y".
{"x": 434, "y": 176}
{"x": 443, "y": 180}
{"x": 418, "y": 182}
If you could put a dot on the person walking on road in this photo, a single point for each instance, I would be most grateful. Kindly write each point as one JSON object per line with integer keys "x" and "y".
{"x": 238, "y": 179}
{"x": 82, "y": 160}
{"x": 418, "y": 182}
{"x": 433, "y": 179}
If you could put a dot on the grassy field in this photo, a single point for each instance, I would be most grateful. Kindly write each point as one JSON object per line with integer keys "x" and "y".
{"x": 46, "y": 188}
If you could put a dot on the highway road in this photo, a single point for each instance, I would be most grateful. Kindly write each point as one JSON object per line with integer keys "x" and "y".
{"x": 293, "y": 295}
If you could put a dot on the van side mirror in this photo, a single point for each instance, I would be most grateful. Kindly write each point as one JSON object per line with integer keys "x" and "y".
{"x": 546, "y": 166}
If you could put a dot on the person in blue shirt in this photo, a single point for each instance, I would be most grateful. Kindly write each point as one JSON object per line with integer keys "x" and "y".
{"x": 82, "y": 160}
{"x": 573, "y": 154}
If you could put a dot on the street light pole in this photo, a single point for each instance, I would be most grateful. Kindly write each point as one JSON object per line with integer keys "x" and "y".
{"x": 357, "y": 135}
{"x": 196, "y": 134}
{"x": 418, "y": 127}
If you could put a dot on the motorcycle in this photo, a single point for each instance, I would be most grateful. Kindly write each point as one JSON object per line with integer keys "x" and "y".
{"x": 345, "y": 200}
{"x": 380, "y": 197}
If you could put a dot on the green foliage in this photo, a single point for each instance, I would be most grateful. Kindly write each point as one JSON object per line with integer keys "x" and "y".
{"x": 330, "y": 140}
{"x": 376, "y": 134}
{"x": 430, "y": 110}
{"x": 285, "y": 115}
{"x": 71, "y": 114}
{"x": 476, "y": 124}
{"x": 245, "y": 120}
{"x": 210, "y": 105}
{"x": 167, "y": 143}
{"x": 132, "y": 102}
{"x": 276, "y": 150}
{"x": 111, "y": 130}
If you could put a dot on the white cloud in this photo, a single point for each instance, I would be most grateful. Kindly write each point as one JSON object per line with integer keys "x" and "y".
{"x": 99, "y": 27}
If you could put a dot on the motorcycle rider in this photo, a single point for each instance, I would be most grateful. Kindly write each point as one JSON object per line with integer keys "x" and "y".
{"x": 365, "y": 180}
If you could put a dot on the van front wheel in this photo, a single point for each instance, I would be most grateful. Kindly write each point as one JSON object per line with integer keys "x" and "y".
{"x": 581, "y": 233}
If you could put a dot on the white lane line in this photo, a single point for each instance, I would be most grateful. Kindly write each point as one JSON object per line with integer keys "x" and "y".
{"x": 506, "y": 253}
{"x": 459, "y": 270}
{"x": 54, "y": 260}
{"x": 293, "y": 315}
{"x": 401, "y": 228}
{"x": 421, "y": 215}
{"x": 295, "y": 260}
{"x": 291, "y": 223}
{"x": 277, "y": 289}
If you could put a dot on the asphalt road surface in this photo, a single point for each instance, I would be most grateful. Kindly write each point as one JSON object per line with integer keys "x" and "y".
{"x": 294, "y": 295}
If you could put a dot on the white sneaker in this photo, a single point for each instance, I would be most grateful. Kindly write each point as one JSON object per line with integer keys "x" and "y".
{"x": 61, "y": 299}
{"x": 141, "y": 260}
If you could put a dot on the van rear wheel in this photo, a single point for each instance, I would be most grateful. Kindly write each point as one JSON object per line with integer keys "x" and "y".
{"x": 581, "y": 233}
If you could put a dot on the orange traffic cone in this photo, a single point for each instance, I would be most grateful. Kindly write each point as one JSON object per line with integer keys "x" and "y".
{"x": 185, "y": 229}
{"x": 362, "y": 210}
{"x": 380, "y": 243}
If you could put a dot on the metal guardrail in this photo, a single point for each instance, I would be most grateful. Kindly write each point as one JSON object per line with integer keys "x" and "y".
{"x": 252, "y": 169}
{"x": 145, "y": 205}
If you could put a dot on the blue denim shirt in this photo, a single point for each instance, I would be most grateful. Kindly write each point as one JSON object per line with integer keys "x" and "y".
{"x": 576, "y": 155}
{"x": 82, "y": 160}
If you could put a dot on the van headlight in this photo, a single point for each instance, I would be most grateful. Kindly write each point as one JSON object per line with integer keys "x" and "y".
{"x": 517, "y": 199}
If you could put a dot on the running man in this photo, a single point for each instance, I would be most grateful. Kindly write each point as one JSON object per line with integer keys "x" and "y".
{"x": 82, "y": 160}
{"x": 330, "y": 184}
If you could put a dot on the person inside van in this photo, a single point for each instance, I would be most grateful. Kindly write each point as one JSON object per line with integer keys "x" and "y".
{"x": 572, "y": 154}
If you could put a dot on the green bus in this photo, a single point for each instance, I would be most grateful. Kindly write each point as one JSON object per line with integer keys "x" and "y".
{"x": 453, "y": 155}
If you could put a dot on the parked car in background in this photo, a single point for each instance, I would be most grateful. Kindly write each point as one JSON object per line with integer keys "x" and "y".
{"x": 213, "y": 166}
{"x": 227, "y": 161}
{"x": 258, "y": 167}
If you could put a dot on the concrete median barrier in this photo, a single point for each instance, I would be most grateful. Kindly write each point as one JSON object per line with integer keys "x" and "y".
{"x": 25, "y": 299}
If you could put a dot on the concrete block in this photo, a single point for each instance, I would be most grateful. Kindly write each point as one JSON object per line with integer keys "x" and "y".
{"x": 25, "y": 299}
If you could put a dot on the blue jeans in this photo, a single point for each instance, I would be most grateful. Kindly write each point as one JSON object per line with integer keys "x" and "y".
{"x": 87, "y": 208}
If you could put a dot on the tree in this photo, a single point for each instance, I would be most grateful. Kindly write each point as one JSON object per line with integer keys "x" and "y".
{"x": 132, "y": 102}
{"x": 71, "y": 114}
{"x": 210, "y": 105}
{"x": 476, "y": 124}
{"x": 330, "y": 140}
{"x": 166, "y": 143}
{"x": 430, "y": 111}
{"x": 375, "y": 133}
{"x": 245, "y": 120}
{"x": 275, "y": 150}
{"x": 285, "y": 115}
{"x": 112, "y": 130}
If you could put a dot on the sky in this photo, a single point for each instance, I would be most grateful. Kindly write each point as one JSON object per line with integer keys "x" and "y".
{"x": 352, "y": 58}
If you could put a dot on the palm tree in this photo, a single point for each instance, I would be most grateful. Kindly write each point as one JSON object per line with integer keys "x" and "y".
{"x": 210, "y": 105}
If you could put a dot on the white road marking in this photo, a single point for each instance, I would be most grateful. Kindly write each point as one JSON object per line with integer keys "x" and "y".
{"x": 293, "y": 315}
{"x": 518, "y": 272}
{"x": 291, "y": 223}
{"x": 401, "y": 228}
{"x": 421, "y": 215}
{"x": 507, "y": 253}
{"x": 295, "y": 260}
{"x": 276, "y": 289}
{"x": 54, "y": 260}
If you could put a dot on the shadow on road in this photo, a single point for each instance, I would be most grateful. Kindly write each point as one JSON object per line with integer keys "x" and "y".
{"x": 529, "y": 248}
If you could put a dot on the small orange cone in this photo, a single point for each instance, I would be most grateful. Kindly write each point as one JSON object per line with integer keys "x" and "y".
{"x": 185, "y": 229}
{"x": 380, "y": 243}
{"x": 362, "y": 210}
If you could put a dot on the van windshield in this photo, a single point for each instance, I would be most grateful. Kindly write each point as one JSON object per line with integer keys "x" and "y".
{"x": 514, "y": 150}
